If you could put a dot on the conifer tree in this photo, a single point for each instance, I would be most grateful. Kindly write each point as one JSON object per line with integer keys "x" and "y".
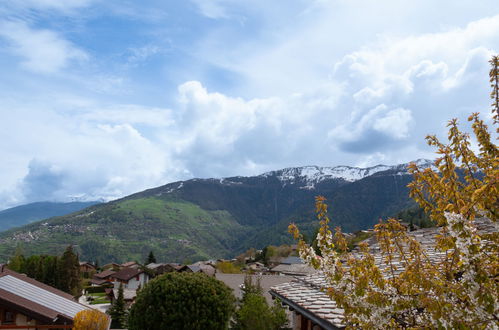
{"x": 69, "y": 272}
{"x": 150, "y": 258}
{"x": 254, "y": 312}
{"x": 118, "y": 311}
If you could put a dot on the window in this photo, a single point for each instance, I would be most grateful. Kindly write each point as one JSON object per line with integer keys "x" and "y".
{"x": 8, "y": 317}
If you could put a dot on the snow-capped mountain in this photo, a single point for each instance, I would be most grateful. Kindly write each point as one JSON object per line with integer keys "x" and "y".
{"x": 311, "y": 175}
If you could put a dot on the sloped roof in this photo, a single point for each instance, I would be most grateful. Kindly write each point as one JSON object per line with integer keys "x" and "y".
{"x": 104, "y": 274}
{"x": 36, "y": 297}
{"x": 307, "y": 296}
{"x": 291, "y": 260}
{"x": 127, "y": 273}
{"x": 294, "y": 269}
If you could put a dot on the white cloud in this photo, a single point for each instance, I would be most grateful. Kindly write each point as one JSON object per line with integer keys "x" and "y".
{"x": 43, "y": 51}
{"x": 311, "y": 92}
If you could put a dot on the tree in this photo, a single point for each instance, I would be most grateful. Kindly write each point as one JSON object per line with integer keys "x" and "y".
{"x": 461, "y": 290}
{"x": 182, "y": 301}
{"x": 90, "y": 319}
{"x": 254, "y": 313}
{"x": 118, "y": 311}
{"x": 150, "y": 258}
{"x": 69, "y": 272}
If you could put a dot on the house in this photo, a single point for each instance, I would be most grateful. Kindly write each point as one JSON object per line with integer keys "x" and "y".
{"x": 160, "y": 268}
{"x": 131, "y": 278}
{"x": 113, "y": 266}
{"x": 256, "y": 267}
{"x": 102, "y": 278}
{"x": 198, "y": 268}
{"x": 313, "y": 309}
{"x": 130, "y": 264}
{"x": 129, "y": 295}
{"x": 27, "y": 304}
{"x": 87, "y": 269}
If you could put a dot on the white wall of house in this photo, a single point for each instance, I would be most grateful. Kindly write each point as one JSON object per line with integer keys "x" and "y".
{"x": 134, "y": 282}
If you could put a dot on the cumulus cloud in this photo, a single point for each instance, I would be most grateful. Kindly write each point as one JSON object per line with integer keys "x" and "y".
{"x": 43, "y": 51}
{"x": 369, "y": 103}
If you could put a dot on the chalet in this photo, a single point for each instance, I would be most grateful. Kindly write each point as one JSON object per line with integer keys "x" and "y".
{"x": 131, "y": 278}
{"x": 206, "y": 269}
{"x": 27, "y": 304}
{"x": 102, "y": 277}
{"x": 113, "y": 266}
{"x": 130, "y": 264}
{"x": 87, "y": 269}
{"x": 160, "y": 268}
{"x": 129, "y": 295}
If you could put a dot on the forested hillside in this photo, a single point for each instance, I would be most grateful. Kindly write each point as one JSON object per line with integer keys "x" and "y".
{"x": 213, "y": 218}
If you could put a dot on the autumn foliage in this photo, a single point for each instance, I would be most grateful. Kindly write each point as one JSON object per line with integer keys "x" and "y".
{"x": 90, "y": 319}
{"x": 403, "y": 287}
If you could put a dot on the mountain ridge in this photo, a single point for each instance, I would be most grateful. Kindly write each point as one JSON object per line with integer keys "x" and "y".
{"x": 213, "y": 218}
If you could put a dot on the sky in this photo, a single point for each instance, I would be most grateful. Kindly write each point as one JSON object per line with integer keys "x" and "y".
{"x": 101, "y": 99}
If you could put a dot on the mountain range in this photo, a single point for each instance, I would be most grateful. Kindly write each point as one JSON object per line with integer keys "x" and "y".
{"x": 27, "y": 213}
{"x": 213, "y": 218}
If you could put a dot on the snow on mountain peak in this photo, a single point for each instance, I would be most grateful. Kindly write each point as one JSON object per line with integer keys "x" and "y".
{"x": 312, "y": 175}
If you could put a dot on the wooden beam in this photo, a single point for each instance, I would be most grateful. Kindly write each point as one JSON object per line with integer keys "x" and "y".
{"x": 37, "y": 326}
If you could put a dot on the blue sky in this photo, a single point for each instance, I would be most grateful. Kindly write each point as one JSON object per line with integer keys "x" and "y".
{"x": 100, "y": 99}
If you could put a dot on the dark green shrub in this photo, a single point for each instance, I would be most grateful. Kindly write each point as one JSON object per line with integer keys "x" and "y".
{"x": 182, "y": 301}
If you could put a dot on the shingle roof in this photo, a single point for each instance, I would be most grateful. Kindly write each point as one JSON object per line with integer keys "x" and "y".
{"x": 127, "y": 273}
{"x": 306, "y": 294}
{"x": 294, "y": 269}
{"x": 104, "y": 274}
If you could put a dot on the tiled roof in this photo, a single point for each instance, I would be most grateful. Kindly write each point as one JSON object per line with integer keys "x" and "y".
{"x": 306, "y": 294}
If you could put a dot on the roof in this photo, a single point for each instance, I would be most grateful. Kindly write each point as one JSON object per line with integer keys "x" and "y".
{"x": 128, "y": 264}
{"x": 291, "y": 261}
{"x": 306, "y": 294}
{"x": 294, "y": 269}
{"x": 127, "y": 273}
{"x": 306, "y": 297}
{"x": 85, "y": 263}
{"x": 34, "y": 297}
{"x": 128, "y": 294}
{"x": 235, "y": 281}
{"x": 104, "y": 274}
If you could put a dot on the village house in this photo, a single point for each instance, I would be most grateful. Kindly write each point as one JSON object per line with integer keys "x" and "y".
{"x": 28, "y": 304}
{"x": 161, "y": 268}
{"x": 131, "y": 278}
{"x": 102, "y": 278}
{"x": 87, "y": 269}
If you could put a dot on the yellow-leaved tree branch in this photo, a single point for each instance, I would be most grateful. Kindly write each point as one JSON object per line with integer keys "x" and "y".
{"x": 402, "y": 285}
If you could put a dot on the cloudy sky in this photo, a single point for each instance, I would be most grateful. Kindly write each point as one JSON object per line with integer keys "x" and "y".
{"x": 100, "y": 99}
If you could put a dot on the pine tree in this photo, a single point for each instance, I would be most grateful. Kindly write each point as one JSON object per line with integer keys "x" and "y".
{"x": 118, "y": 310}
{"x": 150, "y": 258}
{"x": 69, "y": 272}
